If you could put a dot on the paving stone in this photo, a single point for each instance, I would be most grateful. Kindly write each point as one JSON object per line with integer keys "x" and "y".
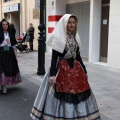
{"x": 17, "y": 103}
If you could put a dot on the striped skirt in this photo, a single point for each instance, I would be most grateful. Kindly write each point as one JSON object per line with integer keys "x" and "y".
{"x": 48, "y": 107}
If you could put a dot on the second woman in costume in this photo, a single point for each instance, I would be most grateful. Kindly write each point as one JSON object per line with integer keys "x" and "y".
{"x": 9, "y": 70}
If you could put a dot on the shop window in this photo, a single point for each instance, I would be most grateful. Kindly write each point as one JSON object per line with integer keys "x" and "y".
{"x": 7, "y": 0}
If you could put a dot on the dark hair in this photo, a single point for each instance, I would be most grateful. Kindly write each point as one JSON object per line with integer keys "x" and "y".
{"x": 1, "y": 29}
{"x": 4, "y": 20}
{"x": 76, "y": 19}
{"x": 11, "y": 24}
{"x": 12, "y": 37}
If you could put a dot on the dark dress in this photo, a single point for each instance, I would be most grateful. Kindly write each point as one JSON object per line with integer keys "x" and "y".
{"x": 13, "y": 30}
{"x": 30, "y": 32}
{"x": 9, "y": 70}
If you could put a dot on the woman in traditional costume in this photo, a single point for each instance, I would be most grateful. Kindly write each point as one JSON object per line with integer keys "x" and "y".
{"x": 65, "y": 93}
{"x": 9, "y": 71}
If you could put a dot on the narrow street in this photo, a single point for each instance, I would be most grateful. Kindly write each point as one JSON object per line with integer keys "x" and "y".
{"x": 17, "y": 104}
{"x": 93, "y": 25}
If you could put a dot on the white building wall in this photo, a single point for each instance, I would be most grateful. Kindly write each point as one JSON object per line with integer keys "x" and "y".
{"x": 59, "y": 8}
{"x": 94, "y": 35}
{"x": 54, "y": 8}
{"x": 114, "y": 35}
{"x": 50, "y": 10}
{"x": 0, "y": 9}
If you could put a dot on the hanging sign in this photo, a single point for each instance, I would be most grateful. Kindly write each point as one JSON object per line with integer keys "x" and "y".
{"x": 105, "y": 22}
{"x": 11, "y": 8}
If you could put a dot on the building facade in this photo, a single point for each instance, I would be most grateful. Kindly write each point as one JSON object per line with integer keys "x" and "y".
{"x": 21, "y": 13}
{"x": 99, "y": 27}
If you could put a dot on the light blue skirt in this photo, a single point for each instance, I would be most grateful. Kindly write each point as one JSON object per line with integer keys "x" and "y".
{"x": 47, "y": 107}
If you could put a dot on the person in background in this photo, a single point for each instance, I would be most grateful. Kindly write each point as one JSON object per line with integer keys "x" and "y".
{"x": 12, "y": 29}
{"x": 9, "y": 70}
{"x": 30, "y": 36}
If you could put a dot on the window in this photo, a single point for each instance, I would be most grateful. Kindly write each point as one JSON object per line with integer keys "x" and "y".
{"x": 6, "y": 0}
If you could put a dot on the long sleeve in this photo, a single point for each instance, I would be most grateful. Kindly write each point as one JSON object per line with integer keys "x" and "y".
{"x": 78, "y": 57}
{"x": 12, "y": 39}
{"x": 53, "y": 69}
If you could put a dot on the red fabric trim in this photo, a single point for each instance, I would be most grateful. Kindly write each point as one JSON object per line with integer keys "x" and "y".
{"x": 54, "y": 18}
{"x": 50, "y": 29}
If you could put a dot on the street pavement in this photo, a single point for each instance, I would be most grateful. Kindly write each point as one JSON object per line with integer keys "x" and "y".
{"x": 17, "y": 104}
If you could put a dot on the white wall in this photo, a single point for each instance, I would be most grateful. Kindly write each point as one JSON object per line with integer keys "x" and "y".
{"x": 59, "y": 8}
{"x": 50, "y": 10}
{"x": 94, "y": 35}
{"x": 114, "y": 35}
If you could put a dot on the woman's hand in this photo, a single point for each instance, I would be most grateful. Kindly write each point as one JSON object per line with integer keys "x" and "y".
{"x": 52, "y": 80}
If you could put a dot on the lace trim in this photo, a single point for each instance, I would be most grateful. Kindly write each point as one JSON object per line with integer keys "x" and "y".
{"x": 73, "y": 98}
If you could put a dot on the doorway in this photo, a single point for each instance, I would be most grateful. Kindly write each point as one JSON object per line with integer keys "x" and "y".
{"x": 104, "y": 30}
{"x": 15, "y": 19}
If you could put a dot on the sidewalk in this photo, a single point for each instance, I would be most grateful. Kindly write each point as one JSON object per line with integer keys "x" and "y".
{"x": 104, "y": 81}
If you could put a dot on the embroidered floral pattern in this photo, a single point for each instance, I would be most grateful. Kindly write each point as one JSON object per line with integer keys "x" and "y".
{"x": 4, "y": 80}
{"x": 71, "y": 80}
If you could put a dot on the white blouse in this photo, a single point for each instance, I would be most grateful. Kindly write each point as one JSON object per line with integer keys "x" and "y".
{"x": 6, "y": 40}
